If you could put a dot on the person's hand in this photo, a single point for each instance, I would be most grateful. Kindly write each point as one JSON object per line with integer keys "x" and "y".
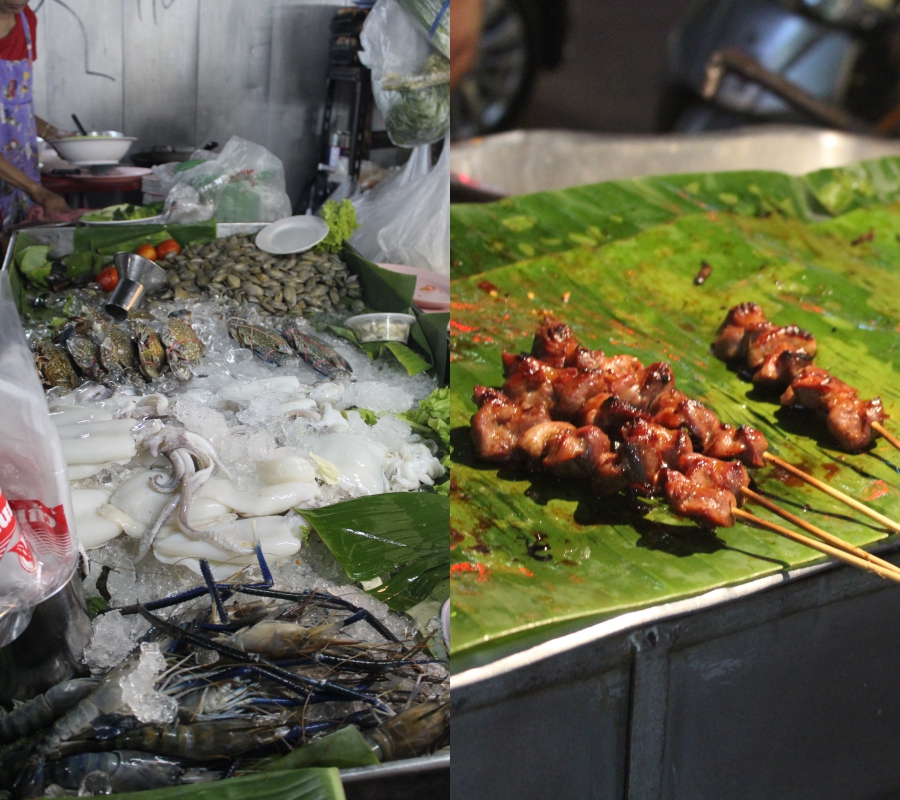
{"x": 54, "y": 205}
{"x": 465, "y": 33}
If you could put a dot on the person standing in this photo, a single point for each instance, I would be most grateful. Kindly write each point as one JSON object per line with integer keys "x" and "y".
{"x": 20, "y": 187}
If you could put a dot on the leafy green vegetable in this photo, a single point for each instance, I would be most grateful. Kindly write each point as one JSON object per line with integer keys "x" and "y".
{"x": 433, "y": 416}
{"x": 124, "y": 211}
{"x": 400, "y": 538}
{"x": 341, "y": 219}
{"x": 421, "y": 112}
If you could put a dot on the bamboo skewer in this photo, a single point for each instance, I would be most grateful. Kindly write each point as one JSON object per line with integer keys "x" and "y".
{"x": 830, "y": 538}
{"x": 877, "y": 426}
{"x": 827, "y": 549}
{"x": 837, "y": 495}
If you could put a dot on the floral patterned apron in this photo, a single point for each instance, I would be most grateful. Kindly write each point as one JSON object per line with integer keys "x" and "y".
{"x": 18, "y": 131}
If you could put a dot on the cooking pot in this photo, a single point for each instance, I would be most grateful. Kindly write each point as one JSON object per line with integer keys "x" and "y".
{"x": 166, "y": 153}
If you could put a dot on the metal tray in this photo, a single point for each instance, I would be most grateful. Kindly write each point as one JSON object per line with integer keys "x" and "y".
{"x": 520, "y": 162}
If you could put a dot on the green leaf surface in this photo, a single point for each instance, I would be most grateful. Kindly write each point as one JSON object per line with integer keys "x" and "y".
{"x": 343, "y": 749}
{"x": 411, "y": 361}
{"x": 398, "y": 537}
{"x": 487, "y": 236}
{"x": 836, "y": 278}
{"x": 383, "y": 289}
{"x": 125, "y": 238}
{"x": 307, "y": 784}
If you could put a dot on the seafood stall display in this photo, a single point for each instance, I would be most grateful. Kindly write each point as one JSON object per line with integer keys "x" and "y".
{"x": 263, "y": 506}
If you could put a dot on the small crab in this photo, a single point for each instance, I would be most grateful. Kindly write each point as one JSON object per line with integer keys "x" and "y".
{"x": 151, "y": 353}
{"x": 86, "y": 354}
{"x": 193, "y": 459}
{"x": 269, "y": 346}
{"x": 117, "y": 353}
{"x": 315, "y": 352}
{"x": 183, "y": 348}
{"x": 54, "y": 366}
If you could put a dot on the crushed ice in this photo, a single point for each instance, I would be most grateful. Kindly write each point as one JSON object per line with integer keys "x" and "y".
{"x": 139, "y": 691}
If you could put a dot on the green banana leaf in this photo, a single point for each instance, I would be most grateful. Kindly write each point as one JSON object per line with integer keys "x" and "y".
{"x": 399, "y": 538}
{"x": 484, "y": 237}
{"x": 109, "y": 240}
{"x": 305, "y": 784}
{"x": 342, "y": 749}
{"x": 535, "y": 556}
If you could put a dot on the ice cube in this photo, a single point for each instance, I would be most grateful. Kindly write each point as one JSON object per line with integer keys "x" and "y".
{"x": 139, "y": 692}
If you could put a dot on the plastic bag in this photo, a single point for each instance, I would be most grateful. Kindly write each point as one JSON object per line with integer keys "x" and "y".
{"x": 410, "y": 82}
{"x": 38, "y": 550}
{"x": 405, "y": 219}
{"x": 432, "y": 18}
{"x": 244, "y": 183}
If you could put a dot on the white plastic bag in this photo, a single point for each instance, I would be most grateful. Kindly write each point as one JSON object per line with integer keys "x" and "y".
{"x": 244, "y": 183}
{"x": 410, "y": 81}
{"x": 405, "y": 219}
{"x": 38, "y": 549}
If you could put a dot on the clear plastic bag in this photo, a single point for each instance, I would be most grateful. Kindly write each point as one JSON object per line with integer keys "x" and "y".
{"x": 244, "y": 183}
{"x": 432, "y": 18}
{"x": 405, "y": 219}
{"x": 410, "y": 81}
{"x": 38, "y": 549}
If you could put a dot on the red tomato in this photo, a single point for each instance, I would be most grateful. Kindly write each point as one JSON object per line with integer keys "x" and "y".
{"x": 147, "y": 251}
{"x": 108, "y": 278}
{"x": 168, "y": 246}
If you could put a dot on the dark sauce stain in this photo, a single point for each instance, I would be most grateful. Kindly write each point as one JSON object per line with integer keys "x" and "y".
{"x": 831, "y": 470}
{"x": 486, "y": 286}
{"x": 539, "y": 548}
{"x": 481, "y": 547}
{"x": 569, "y": 563}
{"x": 785, "y": 477}
{"x": 455, "y": 536}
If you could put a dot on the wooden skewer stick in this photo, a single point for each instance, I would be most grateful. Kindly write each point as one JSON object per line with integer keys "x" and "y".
{"x": 877, "y": 426}
{"x": 818, "y": 532}
{"x": 837, "y": 495}
{"x": 827, "y": 549}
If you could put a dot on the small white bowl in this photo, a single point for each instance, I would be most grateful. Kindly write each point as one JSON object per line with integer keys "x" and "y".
{"x": 384, "y": 327}
{"x": 292, "y": 235}
{"x": 86, "y": 151}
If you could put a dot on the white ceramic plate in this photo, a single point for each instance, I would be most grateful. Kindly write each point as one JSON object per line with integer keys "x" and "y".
{"x": 292, "y": 235}
{"x": 432, "y": 289}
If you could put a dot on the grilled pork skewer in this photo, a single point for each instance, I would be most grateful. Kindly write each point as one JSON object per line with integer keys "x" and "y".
{"x": 562, "y": 380}
{"x": 782, "y": 358}
{"x": 652, "y": 461}
{"x": 507, "y": 428}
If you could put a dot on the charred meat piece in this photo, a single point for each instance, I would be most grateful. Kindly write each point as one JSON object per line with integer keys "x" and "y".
{"x": 847, "y": 418}
{"x": 731, "y": 343}
{"x": 745, "y": 444}
{"x": 674, "y": 409}
{"x": 584, "y": 359}
{"x": 779, "y": 369}
{"x": 532, "y": 384}
{"x": 574, "y": 394}
{"x": 554, "y": 344}
{"x": 648, "y": 448}
{"x": 614, "y": 414}
{"x": 763, "y": 343}
{"x": 708, "y": 506}
{"x": 498, "y": 424}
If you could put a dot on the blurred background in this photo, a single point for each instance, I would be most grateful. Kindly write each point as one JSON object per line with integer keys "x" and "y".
{"x": 679, "y": 68}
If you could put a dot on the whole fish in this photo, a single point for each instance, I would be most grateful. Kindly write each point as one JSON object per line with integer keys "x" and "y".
{"x": 183, "y": 348}
{"x": 86, "y": 355}
{"x": 269, "y": 346}
{"x": 322, "y": 358}
{"x": 54, "y": 366}
{"x": 151, "y": 353}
